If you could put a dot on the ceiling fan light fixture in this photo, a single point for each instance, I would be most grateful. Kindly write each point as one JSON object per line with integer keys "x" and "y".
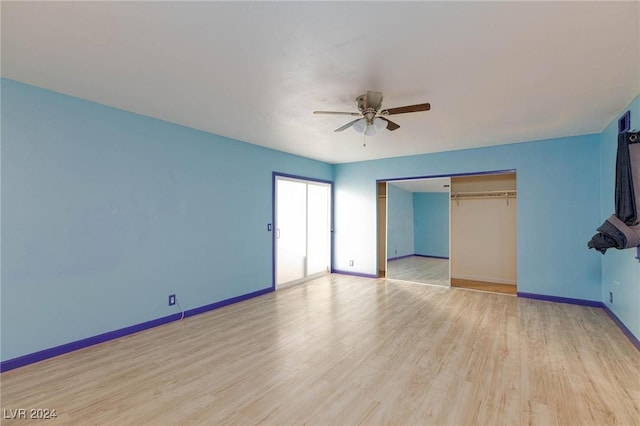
{"x": 373, "y": 117}
{"x": 379, "y": 123}
{"x": 359, "y": 125}
{"x": 370, "y": 130}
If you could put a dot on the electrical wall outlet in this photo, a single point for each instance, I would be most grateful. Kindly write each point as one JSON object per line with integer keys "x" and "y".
{"x": 396, "y": 251}
{"x": 611, "y": 297}
{"x": 172, "y": 299}
{"x": 351, "y": 263}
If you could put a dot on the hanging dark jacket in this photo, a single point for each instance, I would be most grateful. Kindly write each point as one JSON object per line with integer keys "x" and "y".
{"x": 622, "y": 229}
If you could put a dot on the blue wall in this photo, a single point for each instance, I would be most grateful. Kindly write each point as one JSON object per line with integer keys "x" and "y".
{"x": 399, "y": 222}
{"x": 620, "y": 269}
{"x": 558, "y": 208}
{"x": 105, "y": 213}
{"x": 431, "y": 223}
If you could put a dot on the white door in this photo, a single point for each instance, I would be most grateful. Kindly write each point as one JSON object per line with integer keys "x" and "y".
{"x": 302, "y": 229}
{"x": 318, "y": 228}
{"x": 291, "y": 229}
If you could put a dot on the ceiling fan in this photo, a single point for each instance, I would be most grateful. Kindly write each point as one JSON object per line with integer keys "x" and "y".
{"x": 372, "y": 117}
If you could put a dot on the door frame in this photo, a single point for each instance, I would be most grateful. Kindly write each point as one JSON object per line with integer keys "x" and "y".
{"x": 449, "y": 175}
{"x": 381, "y": 200}
{"x": 272, "y": 226}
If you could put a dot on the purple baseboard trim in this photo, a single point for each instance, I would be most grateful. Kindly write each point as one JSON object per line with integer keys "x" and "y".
{"x": 620, "y": 324}
{"x": 206, "y": 308}
{"x": 592, "y": 303}
{"x": 21, "y": 361}
{"x": 355, "y": 274}
{"x": 581, "y": 302}
{"x": 432, "y": 257}
{"x": 83, "y": 343}
{"x": 400, "y": 257}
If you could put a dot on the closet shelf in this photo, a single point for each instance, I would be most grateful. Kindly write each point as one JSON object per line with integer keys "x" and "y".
{"x": 498, "y": 195}
{"x": 484, "y": 194}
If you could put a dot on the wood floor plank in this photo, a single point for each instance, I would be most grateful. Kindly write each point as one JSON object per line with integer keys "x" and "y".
{"x": 484, "y": 286}
{"x": 348, "y": 350}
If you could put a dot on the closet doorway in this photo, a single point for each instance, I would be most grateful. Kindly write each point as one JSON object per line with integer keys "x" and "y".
{"x": 466, "y": 239}
{"x": 483, "y": 232}
{"x": 417, "y": 231}
{"x": 302, "y": 225}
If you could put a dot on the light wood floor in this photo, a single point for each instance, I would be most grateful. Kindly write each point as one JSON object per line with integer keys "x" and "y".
{"x": 344, "y": 350}
{"x": 484, "y": 286}
{"x": 425, "y": 270}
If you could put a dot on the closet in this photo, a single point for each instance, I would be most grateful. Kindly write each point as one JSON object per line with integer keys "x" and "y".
{"x": 483, "y": 232}
{"x": 458, "y": 231}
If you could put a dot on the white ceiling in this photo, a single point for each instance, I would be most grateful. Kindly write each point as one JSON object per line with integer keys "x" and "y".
{"x": 494, "y": 73}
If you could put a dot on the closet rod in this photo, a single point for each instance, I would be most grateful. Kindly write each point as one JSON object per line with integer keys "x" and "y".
{"x": 493, "y": 194}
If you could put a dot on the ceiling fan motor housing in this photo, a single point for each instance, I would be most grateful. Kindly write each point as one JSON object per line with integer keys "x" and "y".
{"x": 369, "y": 100}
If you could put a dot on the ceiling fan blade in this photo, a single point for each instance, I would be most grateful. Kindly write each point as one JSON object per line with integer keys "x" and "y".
{"x": 391, "y": 126}
{"x": 346, "y": 126}
{"x": 354, "y": 114}
{"x": 408, "y": 108}
{"x": 374, "y": 100}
